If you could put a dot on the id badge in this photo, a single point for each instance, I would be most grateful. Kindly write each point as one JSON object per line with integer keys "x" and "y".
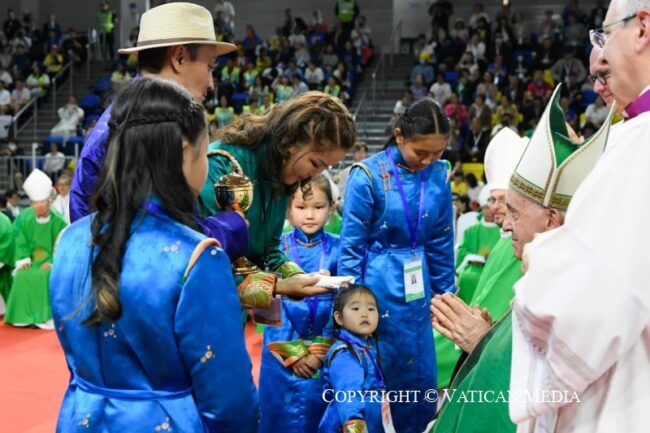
{"x": 386, "y": 418}
{"x": 413, "y": 279}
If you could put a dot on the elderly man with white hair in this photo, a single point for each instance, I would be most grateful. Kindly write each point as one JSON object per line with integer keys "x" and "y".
{"x": 581, "y": 315}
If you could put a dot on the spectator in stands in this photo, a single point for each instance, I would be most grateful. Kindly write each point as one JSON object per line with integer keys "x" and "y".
{"x": 6, "y": 57}
{"x": 401, "y": 104}
{"x": 548, "y": 26}
{"x": 258, "y": 90}
{"x": 350, "y": 57}
{"x": 504, "y": 38}
{"x": 5, "y": 99}
{"x": 227, "y": 11}
{"x": 440, "y": 91}
{"x": 460, "y": 31}
{"x": 223, "y": 113}
{"x": 546, "y": 55}
{"x": 359, "y": 153}
{"x": 282, "y": 89}
{"x": 506, "y": 106}
{"x": 474, "y": 188}
{"x": 249, "y": 76}
{"x": 70, "y": 117}
{"x": 38, "y": 82}
{"x": 468, "y": 63}
{"x": 575, "y": 33}
{"x": 20, "y": 38}
{"x": 61, "y": 203}
{"x": 423, "y": 68}
{"x": 568, "y": 64}
{"x": 476, "y": 141}
{"x": 275, "y": 44}
{"x": 292, "y": 69}
{"x": 52, "y": 25}
{"x": 476, "y": 47}
{"x": 299, "y": 86}
{"x": 569, "y": 113}
{"x": 532, "y": 112}
{"x": 361, "y": 41}
{"x": 488, "y": 89}
{"x": 464, "y": 87}
{"x": 13, "y": 204}
{"x": 20, "y": 96}
{"x": 499, "y": 70}
{"x": 515, "y": 89}
{"x": 477, "y": 14}
{"x": 346, "y": 11}
{"x": 480, "y": 111}
{"x": 54, "y": 161}
{"x": 107, "y": 19}
{"x": 11, "y": 24}
{"x": 572, "y": 10}
{"x": 505, "y": 121}
{"x": 73, "y": 48}
{"x": 301, "y": 55}
{"x": 250, "y": 43}
{"x": 120, "y": 77}
{"x": 52, "y": 39}
{"x": 342, "y": 74}
{"x": 419, "y": 88}
{"x": 520, "y": 31}
{"x": 314, "y": 76}
{"x": 440, "y": 11}
{"x": 538, "y": 87}
{"x": 266, "y": 104}
{"x": 329, "y": 59}
{"x": 5, "y": 76}
{"x": 21, "y": 64}
{"x": 456, "y": 110}
{"x": 596, "y": 112}
{"x": 263, "y": 60}
{"x": 458, "y": 185}
{"x": 53, "y": 61}
{"x": 597, "y": 15}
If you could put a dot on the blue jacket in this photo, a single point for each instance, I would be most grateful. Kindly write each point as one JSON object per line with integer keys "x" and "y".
{"x": 375, "y": 245}
{"x": 300, "y": 407}
{"x": 344, "y": 372}
{"x": 176, "y": 359}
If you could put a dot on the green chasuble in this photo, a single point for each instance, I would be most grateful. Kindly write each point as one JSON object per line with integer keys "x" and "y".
{"x": 333, "y": 224}
{"x": 478, "y": 240}
{"x": 266, "y": 215}
{"x": 493, "y": 291}
{"x": 485, "y": 377}
{"x": 29, "y": 299}
{"x": 6, "y": 255}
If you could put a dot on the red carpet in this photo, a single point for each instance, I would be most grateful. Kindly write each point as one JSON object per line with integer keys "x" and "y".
{"x": 34, "y": 376}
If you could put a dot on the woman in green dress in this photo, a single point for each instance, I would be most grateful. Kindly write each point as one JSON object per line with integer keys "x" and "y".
{"x": 279, "y": 152}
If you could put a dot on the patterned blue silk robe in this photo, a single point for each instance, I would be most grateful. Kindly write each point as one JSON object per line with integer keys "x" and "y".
{"x": 176, "y": 359}
{"x": 375, "y": 243}
{"x": 345, "y": 372}
{"x": 289, "y": 403}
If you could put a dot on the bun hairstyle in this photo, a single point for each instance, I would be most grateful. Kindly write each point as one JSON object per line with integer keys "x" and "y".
{"x": 423, "y": 117}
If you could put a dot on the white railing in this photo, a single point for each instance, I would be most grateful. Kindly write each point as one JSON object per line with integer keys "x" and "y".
{"x": 19, "y": 167}
{"x": 58, "y": 77}
{"x": 14, "y": 124}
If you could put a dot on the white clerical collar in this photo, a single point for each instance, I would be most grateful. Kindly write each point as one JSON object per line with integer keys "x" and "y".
{"x": 488, "y": 224}
{"x": 43, "y": 220}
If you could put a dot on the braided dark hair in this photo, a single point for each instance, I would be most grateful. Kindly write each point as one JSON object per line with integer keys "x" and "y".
{"x": 423, "y": 117}
{"x": 149, "y": 121}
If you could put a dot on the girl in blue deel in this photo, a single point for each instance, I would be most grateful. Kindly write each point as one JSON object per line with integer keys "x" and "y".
{"x": 290, "y": 378}
{"x": 353, "y": 370}
{"x": 397, "y": 238}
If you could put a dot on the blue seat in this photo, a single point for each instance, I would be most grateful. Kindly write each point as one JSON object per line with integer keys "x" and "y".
{"x": 70, "y": 145}
{"x": 103, "y": 86}
{"x": 451, "y": 77}
{"x": 238, "y": 101}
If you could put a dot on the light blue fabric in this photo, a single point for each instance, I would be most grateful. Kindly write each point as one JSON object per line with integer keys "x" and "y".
{"x": 375, "y": 244}
{"x": 345, "y": 372}
{"x": 176, "y": 359}
{"x": 289, "y": 403}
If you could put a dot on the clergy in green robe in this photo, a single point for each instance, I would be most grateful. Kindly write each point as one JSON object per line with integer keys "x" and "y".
{"x": 6, "y": 256}
{"x": 277, "y": 151}
{"x": 36, "y": 230}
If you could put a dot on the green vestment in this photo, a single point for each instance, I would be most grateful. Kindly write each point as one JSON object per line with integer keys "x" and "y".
{"x": 6, "y": 255}
{"x": 478, "y": 240}
{"x": 29, "y": 299}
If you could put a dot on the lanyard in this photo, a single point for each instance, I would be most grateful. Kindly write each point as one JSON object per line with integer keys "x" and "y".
{"x": 413, "y": 227}
{"x": 154, "y": 208}
{"x": 294, "y": 246}
{"x": 382, "y": 383}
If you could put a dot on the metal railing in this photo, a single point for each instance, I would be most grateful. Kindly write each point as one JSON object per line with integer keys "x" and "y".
{"x": 15, "y": 121}
{"x": 362, "y": 108}
{"x": 381, "y": 72}
{"x": 58, "y": 77}
{"x": 19, "y": 167}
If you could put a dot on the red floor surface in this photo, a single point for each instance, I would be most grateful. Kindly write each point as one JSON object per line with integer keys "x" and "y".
{"x": 34, "y": 376}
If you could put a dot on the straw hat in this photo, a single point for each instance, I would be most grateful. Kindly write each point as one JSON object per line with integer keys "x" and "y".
{"x": 177, "y": 24}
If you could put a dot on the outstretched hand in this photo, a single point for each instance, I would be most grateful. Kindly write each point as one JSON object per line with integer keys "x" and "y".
{"x": 455, "y": 320}
{"x": 300, "y": 286}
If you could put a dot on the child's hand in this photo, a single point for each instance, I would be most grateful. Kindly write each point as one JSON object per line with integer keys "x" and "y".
{"x": 306, "y": 366}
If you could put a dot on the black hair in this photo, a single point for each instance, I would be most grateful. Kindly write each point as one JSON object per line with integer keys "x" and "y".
{"x": 423, "y": 117}
{"x": 471, "y": 180}
{"x": 10, "y": 193}
{"x": 152, "y": 60}
{"x": 149, "y": 121}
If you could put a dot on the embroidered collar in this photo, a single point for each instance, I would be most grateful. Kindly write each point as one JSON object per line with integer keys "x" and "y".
{"x": 308, "y": 241}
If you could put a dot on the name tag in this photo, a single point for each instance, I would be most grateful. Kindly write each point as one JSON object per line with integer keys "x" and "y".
{"x": 413, "y": 279}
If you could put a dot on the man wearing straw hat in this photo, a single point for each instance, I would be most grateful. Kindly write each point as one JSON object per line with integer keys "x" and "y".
{"x": 176, "y": 42}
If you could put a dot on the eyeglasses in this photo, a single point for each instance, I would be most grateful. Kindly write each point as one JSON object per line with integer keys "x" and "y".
{"x": 598, "y": 37}
{"x": 499, "y": 200}
{"x": 598, "y": 77}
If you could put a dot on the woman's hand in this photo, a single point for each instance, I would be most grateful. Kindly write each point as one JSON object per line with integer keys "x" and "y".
{"x": 299, "y": 286}
{"x": 463, "y": 325}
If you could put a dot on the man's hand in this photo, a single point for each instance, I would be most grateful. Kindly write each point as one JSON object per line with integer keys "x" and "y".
{"x": 458, "y": 322}
{"x": 299, "y": 286}
{"x": 46, "y": 267}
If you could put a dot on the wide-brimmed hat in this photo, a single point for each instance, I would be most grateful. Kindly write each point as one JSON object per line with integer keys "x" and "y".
{"x": 177, "y": 24}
